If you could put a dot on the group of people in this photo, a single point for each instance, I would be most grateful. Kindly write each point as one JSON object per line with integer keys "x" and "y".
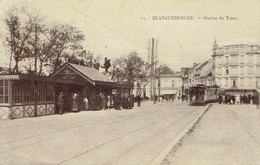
{"x": 243, "y": 99}
{"x": 72, "y": 103}
{"x": 227, "y": 99}
{"x": 97, "y": 102}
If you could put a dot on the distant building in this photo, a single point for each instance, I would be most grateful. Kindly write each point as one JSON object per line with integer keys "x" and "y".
{"x": 169, "y": 82}
{"x": 236, "y": 66}
{"x": 185, "y": 80}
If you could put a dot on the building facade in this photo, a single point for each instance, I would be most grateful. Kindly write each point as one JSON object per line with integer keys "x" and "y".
{"x": 236, "y": 66}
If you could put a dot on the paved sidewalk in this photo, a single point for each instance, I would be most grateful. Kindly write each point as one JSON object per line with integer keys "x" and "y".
{"x": 225, "y": 135}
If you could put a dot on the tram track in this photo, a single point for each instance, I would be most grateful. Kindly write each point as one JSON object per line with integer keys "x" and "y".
{"x": 158, "y": 133}
{"x": 82, "y": 124}
{"x": 132, "y": 132}
{"x": 77, "y": 126}
{"x": 75, "y": 132}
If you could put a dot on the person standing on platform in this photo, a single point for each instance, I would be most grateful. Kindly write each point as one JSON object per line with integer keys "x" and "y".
{"x": 60, "y": 103}
{"x": 257, "y": 100}
{"x": 86, "y": 105}
{"x": 104, "y": 101}
{"x": 138, "y": 98}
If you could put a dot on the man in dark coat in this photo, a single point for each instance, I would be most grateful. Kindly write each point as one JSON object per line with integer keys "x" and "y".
{"x": 219, "y": 99}
{"x": 233, "y": 97}
{"x": 60, "y": 102}
{"x": 138, "y": 99}
{"x": 117, "y": 102}
{"x": 257, "y": 100}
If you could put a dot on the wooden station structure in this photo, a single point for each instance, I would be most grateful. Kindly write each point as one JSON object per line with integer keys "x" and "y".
{"x": 23, "y": 95}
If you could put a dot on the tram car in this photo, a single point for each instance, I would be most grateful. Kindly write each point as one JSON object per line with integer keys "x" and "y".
{"x": 202, "y": 95}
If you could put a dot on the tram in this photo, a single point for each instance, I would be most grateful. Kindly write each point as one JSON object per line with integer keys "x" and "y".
{"x": 202, "y": 94}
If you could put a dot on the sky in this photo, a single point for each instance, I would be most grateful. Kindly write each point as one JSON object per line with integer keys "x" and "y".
{"x": 114, "y": 28}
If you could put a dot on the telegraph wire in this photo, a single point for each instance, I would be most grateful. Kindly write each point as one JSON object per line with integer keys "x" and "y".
{"x": 101, "y": 24}
{"x": 166, "y": 28}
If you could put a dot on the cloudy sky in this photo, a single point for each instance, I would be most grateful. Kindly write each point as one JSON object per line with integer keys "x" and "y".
{"x": 114, "y": 28}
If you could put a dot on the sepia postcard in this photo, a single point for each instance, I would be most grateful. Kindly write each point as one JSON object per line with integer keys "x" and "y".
{"x": 129, "y": 82}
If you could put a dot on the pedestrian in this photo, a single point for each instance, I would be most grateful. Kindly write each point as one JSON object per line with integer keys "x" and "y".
{"x": 244, "y": 99}
{"x": 86, "y": 105}
{"x": 108, "y": 101}
{"x": 138, "y": 98}
{"x": 124, "y": 102}
{"x": 117, "y": 101}
{"x": 257, "y": 100}
{"x": 104, "y": 101}
{"x": 60, "y": 103}
{"x": 249, "y": 99}
{"x": 233, "y": 97}
{"x": 74, "y": 98}
{"x": 99, "y": 102}
{"x": 132, "y": 100}
{"x": 226, "y": 98}
{"x": 219, "y": 99}
{"x": 240, "y": 99}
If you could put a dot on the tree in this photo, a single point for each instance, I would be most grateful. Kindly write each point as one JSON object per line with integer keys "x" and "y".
{"x": 106, "y": 64}
{"x": 128, "y": 68}
{"x": 18, "y": 35}
{"x": 64, "y": 41}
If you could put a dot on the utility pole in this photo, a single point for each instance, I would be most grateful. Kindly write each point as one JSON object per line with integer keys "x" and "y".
{"x": 153, "y": 86}
{"x": 35, "y": 48}
{"x": 35, "y": 65}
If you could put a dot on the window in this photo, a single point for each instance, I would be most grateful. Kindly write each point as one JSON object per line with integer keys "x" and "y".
{"x": 258, "y": 59}
{"x": 173, "y": 83}
{"x": 242, "y": 81}
{"x": 227, "y": 71}
{"x": 258, "y": 82}
{"x": 23, "y": 92}
{"x": 219, "y": 70}
{"x": 242, "y": 70}
{"x": 258, "y": 70}
{"x": 18, "y": 91}
{"x": 250, "y": 70}
{"x": 234, "y": 59}
{"x": 242, "y": 59}
{"x": 250, "y": 59}
{"x": 3, "y": 91}
{"x": 220, "y": 60}
{"x": 233, "y": 70}
{"x": 226, "y": 81}
{"x": 250, "y": 82}
{"x": 219, "y": 81}
{"x": 227, "y": 59}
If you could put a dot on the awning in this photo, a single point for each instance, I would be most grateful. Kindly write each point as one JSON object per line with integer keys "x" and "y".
{"x": 168, "y": 92}
{"x": 9, "y": 77}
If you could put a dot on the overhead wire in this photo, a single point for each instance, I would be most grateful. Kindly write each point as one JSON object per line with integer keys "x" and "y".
{"x": 103, "y": 25}
{"x": 166, "y": 28}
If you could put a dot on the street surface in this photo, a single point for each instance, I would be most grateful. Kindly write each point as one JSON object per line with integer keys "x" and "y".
{"x": 226, "y": 135}
{"x": 123, "y": 137}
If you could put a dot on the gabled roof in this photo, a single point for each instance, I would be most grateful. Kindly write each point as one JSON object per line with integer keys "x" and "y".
{"x": 88, "y": 73}
{"x": 91, "y": 73}
{"x": 206, "y": 69}
{"x": 194, "y": 65}
{"x": 166, "y": 71}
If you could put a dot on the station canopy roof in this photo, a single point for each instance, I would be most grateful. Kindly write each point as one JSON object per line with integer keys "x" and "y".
{"x": 71, "y": 74}
{"x": 89, "y": 74}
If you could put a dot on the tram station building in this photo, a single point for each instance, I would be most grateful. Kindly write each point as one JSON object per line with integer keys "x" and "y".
{"x": 23, "y": 95}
